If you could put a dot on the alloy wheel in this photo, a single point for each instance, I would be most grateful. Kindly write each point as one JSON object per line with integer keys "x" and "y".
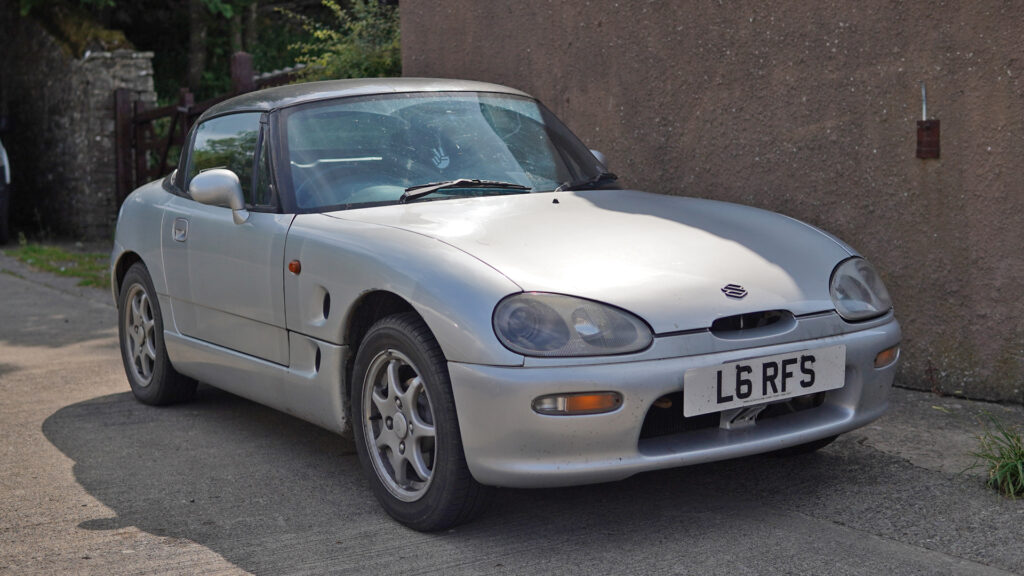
{"x": 398, "y": 425}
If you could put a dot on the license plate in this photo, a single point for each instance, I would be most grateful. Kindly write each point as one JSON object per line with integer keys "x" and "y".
{"x": 765, "y": 379}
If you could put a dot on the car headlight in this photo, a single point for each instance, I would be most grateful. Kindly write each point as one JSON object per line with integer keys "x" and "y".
{"x": 857, "y": 291}
{"x": 541, "y": 324}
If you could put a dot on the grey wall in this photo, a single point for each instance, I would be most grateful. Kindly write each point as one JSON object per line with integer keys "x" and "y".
{"x": 62, "y": 144}
{"x": 807, "y": 108}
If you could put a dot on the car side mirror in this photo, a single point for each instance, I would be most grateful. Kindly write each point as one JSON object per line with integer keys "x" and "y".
{"x": 220, "y": 187}
{"x": 600, "y": 158}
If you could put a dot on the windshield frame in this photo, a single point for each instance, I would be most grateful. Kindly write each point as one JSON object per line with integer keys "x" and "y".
{"x": 563, "y": 141}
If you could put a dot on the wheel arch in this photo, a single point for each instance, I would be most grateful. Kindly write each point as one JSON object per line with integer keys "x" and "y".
{"x": 350, "y": 261}
{"x": 125, "y": 261}
{"x": 362, "y": 315}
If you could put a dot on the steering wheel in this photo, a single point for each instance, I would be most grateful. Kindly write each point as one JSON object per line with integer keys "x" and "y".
{"x": 325, "y": 189}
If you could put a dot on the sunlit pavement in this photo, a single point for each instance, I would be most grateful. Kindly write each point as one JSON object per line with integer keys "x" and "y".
{"x": 93, "y": 482}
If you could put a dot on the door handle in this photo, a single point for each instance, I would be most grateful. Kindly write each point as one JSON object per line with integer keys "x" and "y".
{"x": 180, "y": 229}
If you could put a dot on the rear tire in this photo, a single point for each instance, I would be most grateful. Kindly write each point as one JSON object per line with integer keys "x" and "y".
{"x": 406, "y": 429}
{"x": 140, "y": 330}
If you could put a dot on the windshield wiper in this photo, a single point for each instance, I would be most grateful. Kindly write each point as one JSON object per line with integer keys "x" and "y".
{"x": 588, "y": 183}
{"x": 414, "y": 192}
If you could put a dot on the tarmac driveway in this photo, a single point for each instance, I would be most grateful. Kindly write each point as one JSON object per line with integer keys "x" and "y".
{"x": 93, "y": 482}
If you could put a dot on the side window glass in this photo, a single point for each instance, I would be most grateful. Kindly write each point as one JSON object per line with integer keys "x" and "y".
{"x": 262, "y": 196}
{"x": 227, "y": 142}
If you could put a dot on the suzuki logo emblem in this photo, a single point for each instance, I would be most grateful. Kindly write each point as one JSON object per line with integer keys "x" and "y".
{"x": 734, "y": 291}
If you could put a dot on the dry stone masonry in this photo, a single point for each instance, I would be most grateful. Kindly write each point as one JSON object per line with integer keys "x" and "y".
{"x": 61, "y": 141}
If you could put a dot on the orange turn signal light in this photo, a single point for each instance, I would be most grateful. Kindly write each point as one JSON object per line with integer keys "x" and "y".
{"x": 295, "y": 267}
{"x": 575, "y": 404}
{"x": 887, "y": 356}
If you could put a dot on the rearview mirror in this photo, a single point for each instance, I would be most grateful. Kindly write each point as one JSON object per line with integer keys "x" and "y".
{"x": 600, "y": 158}
{"x": 220, "y": 187}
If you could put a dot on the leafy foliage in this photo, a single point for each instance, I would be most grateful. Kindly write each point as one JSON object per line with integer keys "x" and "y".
{"x": 221, "y": 7}
{"x": 26, "y": 6}
{"x": 361, "y": 42}
{"x": 1002, "y": 452}
{"x": 72, "y": 25}
{"x": 336, "y": 38}
{"x": 162, "y": 26}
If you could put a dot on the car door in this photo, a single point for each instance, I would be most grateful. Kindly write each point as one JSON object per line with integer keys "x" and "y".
{"x": 225, "y": 280}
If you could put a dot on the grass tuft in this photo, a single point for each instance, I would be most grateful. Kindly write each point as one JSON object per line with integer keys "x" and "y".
{"x": 1002, "y": 452}
{"x": 90, "y": 268}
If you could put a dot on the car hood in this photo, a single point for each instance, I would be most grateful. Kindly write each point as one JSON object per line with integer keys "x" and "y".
{"x": 664, "y": 258}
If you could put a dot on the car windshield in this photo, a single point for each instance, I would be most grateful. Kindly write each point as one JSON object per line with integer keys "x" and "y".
{"x": 366, "y": 151}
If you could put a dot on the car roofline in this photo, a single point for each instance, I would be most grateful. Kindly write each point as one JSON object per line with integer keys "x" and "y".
{"x": 271, "y": 99}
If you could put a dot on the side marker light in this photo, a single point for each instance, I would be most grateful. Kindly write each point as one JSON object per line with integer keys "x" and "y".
{"x": 887, "y": 356}
{"x": 577, "y": 404}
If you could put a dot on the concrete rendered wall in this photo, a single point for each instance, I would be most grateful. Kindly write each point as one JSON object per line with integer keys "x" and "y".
{"x": 61, "y": 146}
{"x": 806, "y": 108}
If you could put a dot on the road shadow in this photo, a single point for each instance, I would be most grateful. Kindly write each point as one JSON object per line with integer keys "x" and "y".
{"x": 38, "y": 315}
{"x": 8, "y": 368}
{"x": 272, "y": 494}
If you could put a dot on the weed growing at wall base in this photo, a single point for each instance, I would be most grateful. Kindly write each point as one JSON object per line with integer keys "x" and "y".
{"x": 1002, "y": 452}
{"x": 90, "y": 268}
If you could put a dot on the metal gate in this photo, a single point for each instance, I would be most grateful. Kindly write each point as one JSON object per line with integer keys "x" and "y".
{"x": 147, "y": 145}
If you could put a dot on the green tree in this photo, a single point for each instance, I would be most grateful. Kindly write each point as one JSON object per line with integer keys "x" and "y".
{"x": 360, "y": 42}
{"x": 192, "y": 39}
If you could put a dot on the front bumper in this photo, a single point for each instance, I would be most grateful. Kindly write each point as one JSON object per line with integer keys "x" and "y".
{"x": 508, "y": 444}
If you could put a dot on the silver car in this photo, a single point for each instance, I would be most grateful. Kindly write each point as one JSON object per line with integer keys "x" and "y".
{"x": 443, "y": 270}
{"x": 5, "y": 194}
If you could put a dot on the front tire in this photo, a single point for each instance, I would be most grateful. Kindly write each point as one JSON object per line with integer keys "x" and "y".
{"x": 406, "y": 429}
{"x": 140, "y": 330}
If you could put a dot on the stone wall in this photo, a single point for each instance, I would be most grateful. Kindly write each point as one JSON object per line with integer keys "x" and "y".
{"x": 62, "y": 143}
{"x": 807, "y": 108}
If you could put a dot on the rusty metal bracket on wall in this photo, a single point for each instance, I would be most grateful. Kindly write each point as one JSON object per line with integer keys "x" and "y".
{"x": 927, "y": 131}
{"x": 143, "y": 153}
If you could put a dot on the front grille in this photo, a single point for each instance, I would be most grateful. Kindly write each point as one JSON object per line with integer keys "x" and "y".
{"x": 749, "y": 321}
{"x": 665, "y": 417}
{"x": 670, "y": 420}
{"x": 798, "y": 404}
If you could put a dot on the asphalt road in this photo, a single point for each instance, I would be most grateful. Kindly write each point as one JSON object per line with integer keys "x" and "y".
{"x": 94, "y": 483}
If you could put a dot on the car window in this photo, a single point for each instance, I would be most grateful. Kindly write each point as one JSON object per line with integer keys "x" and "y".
{"x": 227, "y": 142}
{"x": 263, "y": 193}
{"x": 356, "y": 152}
